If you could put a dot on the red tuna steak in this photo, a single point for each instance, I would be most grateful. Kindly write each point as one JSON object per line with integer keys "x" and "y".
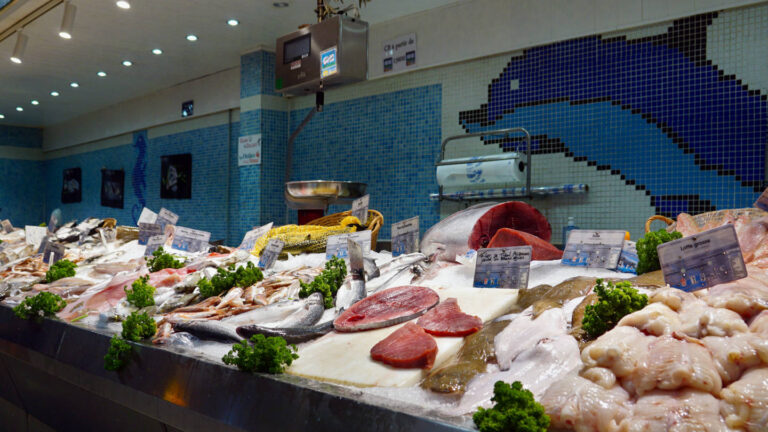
{"x": 513, "y": 214}
{"x": 385, "y": 308}
{"x": 407, "y": 347}
{"x": 447, "y": 319}
{"x": 542, "y": 250}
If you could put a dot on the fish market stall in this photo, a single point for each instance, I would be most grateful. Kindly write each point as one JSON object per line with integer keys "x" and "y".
{"x": 105, "y": 326}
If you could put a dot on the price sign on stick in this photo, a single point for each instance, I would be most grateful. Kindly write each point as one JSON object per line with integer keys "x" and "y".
{"x": 405, "y": 236}
{"x": 337, "y": 245}
{"x": 270, "y": 253}
{"x": 597, "y": 249}
{"x": 360, "y": 208}
{"x": 506, "y": 267}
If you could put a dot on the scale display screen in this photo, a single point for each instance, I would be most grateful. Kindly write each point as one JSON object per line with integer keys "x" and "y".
{"x": 296, "y": 49}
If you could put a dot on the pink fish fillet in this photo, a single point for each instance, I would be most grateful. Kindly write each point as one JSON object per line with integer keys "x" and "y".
{"x": 102, "y": 300}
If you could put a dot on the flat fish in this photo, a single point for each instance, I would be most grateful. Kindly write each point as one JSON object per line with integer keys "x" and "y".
{"x": 407, "y": 347}
{"x": 650, "y": 279}
{"x": 207, "y": 329}
{"x": 447, "y": 319}
{"x": 385, "y": 308}
{"x": 453, "y": 378}
{"x": 566, "y": 290}
{"x": 290, "y": 334}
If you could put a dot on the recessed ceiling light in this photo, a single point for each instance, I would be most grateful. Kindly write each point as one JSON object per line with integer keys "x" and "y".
{"x": 34, "y": 102}
{"x": 74, "y": 85}
{"x": 127, "y": 63}
{"x": 2, "y": 116}
{"x": 191, "y": 37}
{"x": 233, "y": 22}
{"x": 157, "y": 51}
{"x": 280, "y": 4}
{"x": 101, "y": 74}
{"x": 122, "y": 4}
{"x": 54, "y": 93}
{"x": 19, "y": 109}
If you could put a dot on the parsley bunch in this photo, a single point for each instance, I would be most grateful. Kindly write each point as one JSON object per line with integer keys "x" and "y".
{"x": 60, "y": 269}
{"x": 614, "y": 302}
{"x": 42, "y": 305}
{"x": 647, "y": 254}
{"x": 263, "y": 354}
{"x": 142, "y": 294}
{"x": 118, "y": 354}
{"x": 514, "y": 410}
{"x": 135, "y": 328}
{"x": 225, "y": 279}
{"x": 328, "y": 282}
{"x": 161, "y": 260}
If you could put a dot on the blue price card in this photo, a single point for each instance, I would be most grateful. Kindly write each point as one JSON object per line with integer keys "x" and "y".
{"x": 154, "y": 243}
{"x": 506, "y": 267}
{"x": 405, "y": 236}
{"x": 628, "y": 259}
{"x": 762, "y": 201}
{"x": 595, "y": 249}
{"x": 702, "y": 260}
{"x": 190, "y": 240}
{"x": 252, "y": 236}
{"x": 147, "y": 230}
{"x": 270, "y": 253}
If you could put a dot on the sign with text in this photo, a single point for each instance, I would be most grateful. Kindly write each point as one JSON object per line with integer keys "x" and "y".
{"x": 337, "y": 245}
{"x": 147, "y": 230}
{"x": 399, "y": 53}
{"x": 35, "y": 234}
{"x": 360, "y": 208}
{"x": 190, "y": 240}
{"x": 154, "y": 243}
{"x": 702, "y": 260}
{"x": 252, "y": 236}
{"x": 405, "y": 236}
{"x": 762, "y": 201}
{"x": 53, "y": 252}
{"x": 166, "y": 217}
{"x": 597, "y": 249}
{"x": 506, "y": 267}
{"x": 147, "y": 216}
{"x": 270, "y": 253}
{"x": 628, "y": 259}
{"x": 249, "y": 150}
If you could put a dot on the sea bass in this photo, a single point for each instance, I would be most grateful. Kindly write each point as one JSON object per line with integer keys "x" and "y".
{"x": 208, "y": 329}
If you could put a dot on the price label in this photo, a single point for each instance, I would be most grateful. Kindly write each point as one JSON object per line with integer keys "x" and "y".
{"x": 702, "y": 260}
{"x": 7, "y": 227}
{"x": 506, "y": 267}
{"x": 628, "y": 259}
{"x": 147, "y": 230}
{"x": 53, "y": 252}
{"x": 107, "y": 235}
{"x": 147, "y": 216}
{"x": 762, "y": 201}
{"x": 252, "y": 236}
{"x": 190, "y": 240}
{"x": 337, "y": 245}
{"x": 597, "y": 249}
{"x": 166, "y": 217}
{"x": 405, "y": 236}
{"x": 35, "y": 234}
{"x": 270, "y": 253}
{"x": 360, "y": 208}
{"x": 154, "y": 243}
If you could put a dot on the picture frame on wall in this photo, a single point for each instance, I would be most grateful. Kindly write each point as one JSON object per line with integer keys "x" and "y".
{"x": 176, "y": 176}
{"x": 71, "y": 186}
{"x": 112, "y": 188}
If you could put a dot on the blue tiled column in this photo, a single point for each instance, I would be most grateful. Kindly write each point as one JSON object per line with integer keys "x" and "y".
{"x": 22, "y": 200}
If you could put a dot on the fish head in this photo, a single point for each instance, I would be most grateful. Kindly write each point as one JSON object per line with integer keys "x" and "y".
{"x": 314, "y": 299}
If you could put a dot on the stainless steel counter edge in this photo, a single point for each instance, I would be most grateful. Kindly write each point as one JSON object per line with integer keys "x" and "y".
{"x": 186, "y": 392}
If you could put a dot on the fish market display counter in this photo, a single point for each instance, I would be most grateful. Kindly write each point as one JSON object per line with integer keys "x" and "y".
{"x": 52, "y": 377}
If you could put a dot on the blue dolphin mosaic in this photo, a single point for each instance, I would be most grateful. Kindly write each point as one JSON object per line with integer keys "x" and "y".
{"x": 653, "y": 110}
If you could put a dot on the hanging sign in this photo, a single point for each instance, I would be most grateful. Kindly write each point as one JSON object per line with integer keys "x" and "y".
{"x": 249, "y": 150}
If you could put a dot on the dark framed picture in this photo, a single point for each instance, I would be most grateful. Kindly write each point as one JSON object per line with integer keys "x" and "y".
{"x": 71, "y": 191}
{"x": 112, "y": 188}
{"x": 176, "y": 176}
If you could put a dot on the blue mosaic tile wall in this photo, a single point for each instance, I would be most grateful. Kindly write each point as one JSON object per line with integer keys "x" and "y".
{"x": 389, "y": 141}
{"x": 257, "y": 74}
{"x": 249, "y": 184}
{"x": 21, "y": 195}
{"x": 18, "y": 136}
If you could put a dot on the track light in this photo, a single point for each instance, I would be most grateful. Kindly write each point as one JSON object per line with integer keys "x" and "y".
{"x": 21, "y": 45}
{"x": 68, "y": 20}
{"x": 122, "y": 4}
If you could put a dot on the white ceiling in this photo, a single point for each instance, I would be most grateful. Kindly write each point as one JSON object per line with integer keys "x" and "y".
{"x": 105, "y": 35}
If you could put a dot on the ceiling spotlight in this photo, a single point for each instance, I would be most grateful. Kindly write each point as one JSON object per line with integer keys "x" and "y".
{"x": 101, "y": 74}
{"x": 233, "y": 22}
{"x": 2, "y": 116}
{"x": 54, "y": 93}
{"x": 34, "y": 102}
{"x": 122, "y": 4}
{"x": 157, "y": 51}
{"x": 191, "y": 37}
{"x": 280, "y": 4}
{"x": 68, "y": 20}
{"x": 18, "y": 49}
{"x": 74, "y": 85}
{"x": 19, "y": 109}
{"x": 127, "y": 63}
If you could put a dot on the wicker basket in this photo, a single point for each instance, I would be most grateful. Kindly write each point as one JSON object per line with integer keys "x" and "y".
{"x": 709, "y": 217}
{"x": 375, "y": 221}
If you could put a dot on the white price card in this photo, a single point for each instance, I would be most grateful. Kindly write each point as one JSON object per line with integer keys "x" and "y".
{"x": 337, "y": 245}
{"x": 166, "y": 217}
{"x": 360, "y": 208}
{"x": 405, "y": 236}
{"x": 35, "y": 234}
{"x": 703, "y": 260}
{"x": 190, "y": 240}
{"x": 147, "y": 216}
{"x": 7, "y": 227}
{"x": 252, "y": 236}
{"x": 597, "y": 249}
{"x": 628, "y": 259}
{"x": 147, "y": 230}
{"x": 270, "y": 253}
{"x": 505, "y": 267}
{"x": 762, "y": 201}
{"x": 154, "y": 243}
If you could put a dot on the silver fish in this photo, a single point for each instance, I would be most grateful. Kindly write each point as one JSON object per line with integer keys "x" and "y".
{"x": 207, "y": 329}
{"x": 371, "y": 270}
{"x": 350, "y": 292}
{"x": 290, "y": 334}
{"x": 309, "y": 314}
{"x": 271, "y": 313}
{"x": 452, "y": 233}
